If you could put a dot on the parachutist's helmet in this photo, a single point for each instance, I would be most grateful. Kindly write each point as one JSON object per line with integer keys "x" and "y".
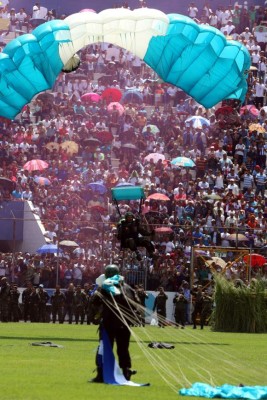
{"x": 129, "y": 216}
{"x": 111, "y": 270}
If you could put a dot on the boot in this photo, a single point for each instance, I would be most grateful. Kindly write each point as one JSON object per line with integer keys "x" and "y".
{"x": 127, "y": 372}
{"x": 99, "y": 376}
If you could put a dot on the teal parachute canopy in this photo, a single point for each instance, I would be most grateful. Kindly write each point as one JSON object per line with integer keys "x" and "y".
{"x": 196, "y": 58}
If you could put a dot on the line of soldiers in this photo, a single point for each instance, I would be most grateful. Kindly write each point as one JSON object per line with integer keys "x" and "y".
{"x": 37, "y": 306}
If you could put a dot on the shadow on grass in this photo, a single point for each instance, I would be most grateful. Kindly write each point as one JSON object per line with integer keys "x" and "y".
{"x": 49, "y": 338}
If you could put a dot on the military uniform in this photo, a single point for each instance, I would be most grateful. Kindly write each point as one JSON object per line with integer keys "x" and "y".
{"x": 160, "y": 307}
{"x": 34, "y": 305}
{"x": 112, "y": 322}
{"x": 79, "y": 301}
{"x": 129, "y": 234}
{"x": 4, "y": 300}
{"x": 69, "y": 304}
{"x": 58, "y": 301}
{"x": 180, "y": 304}
{"x": 14, "y": 304}
{"x": 43, "y": 300}
{"x": 26, "y": 302}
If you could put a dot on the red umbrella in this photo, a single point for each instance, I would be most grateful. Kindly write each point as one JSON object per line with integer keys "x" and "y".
{"x": 117, "y": 107}
{"x": 94, "y": 97}
{"x": 111, "y": 94}
{"x": 105, "y": 137}
{"x": 35, "y": 165}
{"x": 163, "y": 229}
{"x": 224, "y": 110}
{"x": 255, "y": 260}
{"x": 253, "y": 111}
{"x": 158, "y": 196}
{"x": 99, "y": 209}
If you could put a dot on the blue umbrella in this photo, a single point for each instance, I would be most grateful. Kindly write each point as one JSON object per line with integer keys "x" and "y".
{"x": 41, "y": 180}
{"x": 48, "y": 248}
{"x": 183, "y": 162}
{"x": 132, "y": 96}
{"x": 98, "y": 187}
{"x": 198, "y": 121}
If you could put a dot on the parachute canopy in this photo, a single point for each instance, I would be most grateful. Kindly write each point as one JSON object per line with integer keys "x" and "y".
{"x": 196, "y": 58}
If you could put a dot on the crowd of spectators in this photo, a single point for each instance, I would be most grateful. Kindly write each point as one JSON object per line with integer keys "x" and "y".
{"x": 210, "y": 205}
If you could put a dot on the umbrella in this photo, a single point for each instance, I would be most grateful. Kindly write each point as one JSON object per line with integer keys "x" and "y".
{"x": 256, "y": 127}
{"x": 225, "y": 110}
{"x": 264, "y": 109}
{"x": 218, "y": 261}
{"x": 6, "y": 183}
{"x": 158, "y": 196}
{"x": 77, "y": 76}
{"x": 99, "y": 209}
{"x": 89, "y": 230}
{"x": 104, "y": 137}
{"x": 35, "y": 165}
{"x": 87, "y": 10}
{"x": 163, "y": 229}
{"x": 213, "y": 196}
{"x": 94, "y": 97}
{"x": 52, "y": 146}
{"x": 132, "y": 96}
{"x": 70, "y": 146}
{"x": 117, "y": 107}
{"x": 123, "y": 184}
{"x": 198, "y": 121}
{"x": 153, "y": 129}
{"x": 155, "y": 157}
{"x": 98, "y": 187}
{"x": 91, "y": 141}
{"x": 46, "y": 96}
{"x": 41, "y": 180}
{"x": 252, "y": 68}
{"x": 238, "y": 237}
{"x": 129, "y": 146}
{"x": 183, "y": 162}
{"x": 255, "y": 260}
{"x": 253, "y": 111}
{"x": 49, "y": 248}
{"x": 68, "y": 243}
{"x": 111, "y": 94}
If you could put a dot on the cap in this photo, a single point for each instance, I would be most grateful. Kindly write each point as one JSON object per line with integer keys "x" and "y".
{"x": 41, "y": 286}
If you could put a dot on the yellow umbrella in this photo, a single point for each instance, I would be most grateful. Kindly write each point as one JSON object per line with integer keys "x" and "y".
{"x": 51, "y": 146}
{"x": 70, "y": 146}
{"x": 217, "y": 260}
{"x": 256, "y": 127}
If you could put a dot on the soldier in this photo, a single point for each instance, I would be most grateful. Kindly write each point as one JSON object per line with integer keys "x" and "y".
{"x": 130, "y": 233}
{"x": 79, "y": 301}
{"x": 4, "y": 300}
{"x": 26, "y": 301}
{"x": 43, "y": 300}
{"x": 116, "y": 327}
{"x": 198, "y": 304}
{"x": 14, "y": 303}
{"x": 58, "y": 301}
{"x": 34, "y": 305}
{"x": 142, "y": 296}
{"x": 206, "y": 309}
{"x": 180, "y": 304}
{"x": 160, "y": 307}
{"x": 69, "y": 302}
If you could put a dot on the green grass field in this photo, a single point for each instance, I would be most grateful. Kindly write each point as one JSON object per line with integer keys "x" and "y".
{"x": 39, "y": 373}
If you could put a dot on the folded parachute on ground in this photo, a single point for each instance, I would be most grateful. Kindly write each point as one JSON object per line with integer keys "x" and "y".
{"x": 196, "y": 58}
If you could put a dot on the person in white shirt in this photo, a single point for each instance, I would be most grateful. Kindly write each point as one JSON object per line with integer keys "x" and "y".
{"x": 260, "y": 89}
{"x": 192, "y": 10}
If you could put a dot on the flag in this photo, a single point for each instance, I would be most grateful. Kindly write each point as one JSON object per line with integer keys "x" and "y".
{"x": 112, "y": 373}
